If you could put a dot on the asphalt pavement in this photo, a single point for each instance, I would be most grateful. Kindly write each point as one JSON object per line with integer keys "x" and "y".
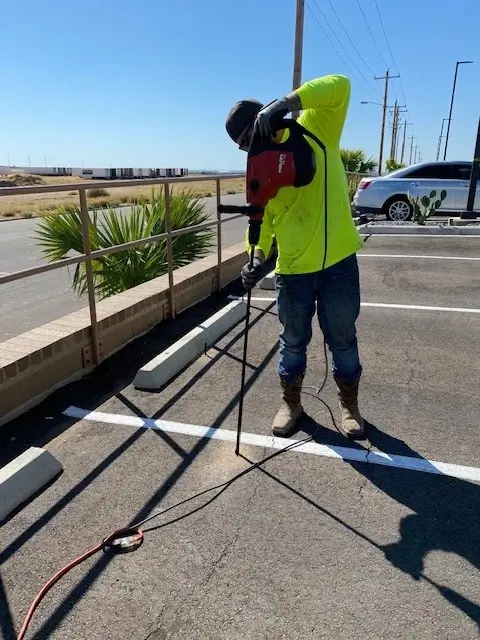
{"x": 310, "y": 545}
{"x": 36, "y": 300}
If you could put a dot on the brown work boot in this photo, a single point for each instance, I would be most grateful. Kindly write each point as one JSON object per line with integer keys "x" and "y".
{"x": 352, "y": 425}
{"x": 291, "y": 409}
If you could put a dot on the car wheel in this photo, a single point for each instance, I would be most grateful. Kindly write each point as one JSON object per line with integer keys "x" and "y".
{"x": 398, "y": 209}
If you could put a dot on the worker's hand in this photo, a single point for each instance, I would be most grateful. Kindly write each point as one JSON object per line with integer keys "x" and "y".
{"x": 268, "y": 117}
{"x": 251, "y": 275}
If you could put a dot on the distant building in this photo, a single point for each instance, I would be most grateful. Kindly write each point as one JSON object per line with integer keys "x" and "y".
{"x": 91, "y": 173}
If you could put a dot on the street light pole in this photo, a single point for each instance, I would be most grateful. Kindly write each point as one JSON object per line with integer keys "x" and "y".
{"x": 440, "y": 138}
{"x": 451, "y": 103}
{"x": 469, "y": 213}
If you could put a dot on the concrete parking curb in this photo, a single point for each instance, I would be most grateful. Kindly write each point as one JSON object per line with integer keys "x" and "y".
{"x": 268, "y": 282}
{"x": 23, "y": 477}
{"x": 161, "y": 369}
{"x": 382, "y": 229}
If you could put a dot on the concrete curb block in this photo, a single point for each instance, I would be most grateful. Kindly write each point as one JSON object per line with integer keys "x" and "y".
{"x": 23, "y": 477}
{"x": 416, "y": 231}
{"x": 158, "y": 371}
{"x": 268, "y": 282}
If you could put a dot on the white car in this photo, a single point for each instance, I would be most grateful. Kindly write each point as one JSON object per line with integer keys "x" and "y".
{"x": 387, "y": 194}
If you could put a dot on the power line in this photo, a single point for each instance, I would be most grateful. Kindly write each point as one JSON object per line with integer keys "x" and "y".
{"x": 389, "y": 48}
{"x": 372, "y": 87}
{"x": 336, "y": 49}
{"x": 371, "y": 33}
{"x": 350, "y": 40}
{"x": 385, "y": 36}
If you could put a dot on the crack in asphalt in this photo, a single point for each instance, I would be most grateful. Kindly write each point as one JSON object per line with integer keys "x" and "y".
{"x": 158, "y": 633}
{"x": 226, "y": 550}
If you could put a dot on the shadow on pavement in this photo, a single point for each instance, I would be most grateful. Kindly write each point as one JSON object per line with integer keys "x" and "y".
{"x": 92, "y": 575}
{"x": 446, "y": 510}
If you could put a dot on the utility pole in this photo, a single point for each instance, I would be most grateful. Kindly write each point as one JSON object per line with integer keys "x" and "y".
{"x": 451, "y": 103}
{"x": 29, "y": 161}
{"x": 400, "y": 109}
{"x": 386, "y": 77}
{"x": 412, "y": 138}
{"x": 394, "y": 127}
{"x": 415, "y": 155}
{"x": 298, "y": 47}
{"x": 405, "y": 125}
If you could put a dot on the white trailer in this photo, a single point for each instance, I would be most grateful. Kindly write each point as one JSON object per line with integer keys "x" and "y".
{"x": 90, "y": 173}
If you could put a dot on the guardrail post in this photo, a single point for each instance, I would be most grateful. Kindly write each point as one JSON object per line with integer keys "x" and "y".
{"x": 89, "y": 272}
{"x": 219, "y": 239}
{"x": 168, "y": 229}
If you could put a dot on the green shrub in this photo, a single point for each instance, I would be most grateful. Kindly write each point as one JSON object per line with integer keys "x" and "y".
{"x": 97, "y": 193}
{"x": 60, "y": 232}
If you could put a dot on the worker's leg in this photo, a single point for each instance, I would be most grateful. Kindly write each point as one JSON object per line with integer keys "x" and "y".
{"x": 296, "y": 308}
{"x": 338, "y": 307}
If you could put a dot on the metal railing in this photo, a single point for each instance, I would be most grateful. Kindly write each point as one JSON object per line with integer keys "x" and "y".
{"x": 88, "y": 255}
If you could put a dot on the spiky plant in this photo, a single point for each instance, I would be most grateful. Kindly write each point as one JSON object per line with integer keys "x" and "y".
{"x": 61, "y": 232}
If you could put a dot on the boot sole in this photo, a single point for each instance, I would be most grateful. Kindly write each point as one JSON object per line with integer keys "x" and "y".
{"x": 358, "y": 435}
{"x": 287, "y": 432}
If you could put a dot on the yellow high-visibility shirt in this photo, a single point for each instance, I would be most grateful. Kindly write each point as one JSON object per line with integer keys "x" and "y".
{"x": 295, "y": 216}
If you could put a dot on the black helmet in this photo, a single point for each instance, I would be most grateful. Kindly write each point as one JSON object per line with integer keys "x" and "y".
{"x": 240, "y": 116}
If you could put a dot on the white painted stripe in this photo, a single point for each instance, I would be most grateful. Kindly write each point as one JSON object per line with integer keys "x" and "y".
{"x": 407, "y": 236}
{"x": 415, "y": 257}
{"x": 384, "y": 305}
{"x": 418, "y": 307}
{"x": 272, "y": 442}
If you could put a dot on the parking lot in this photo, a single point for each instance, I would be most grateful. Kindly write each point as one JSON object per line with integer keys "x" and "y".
{"x": 320, "y": 542}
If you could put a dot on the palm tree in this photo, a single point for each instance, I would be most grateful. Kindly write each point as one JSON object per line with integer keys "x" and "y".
{"x": 61, "y": 232}
{"x": 355, "y": 161}
{"x": 392, "y": 165}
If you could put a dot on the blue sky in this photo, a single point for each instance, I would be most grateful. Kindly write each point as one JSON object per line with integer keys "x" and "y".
{"x": 149, "y": 83}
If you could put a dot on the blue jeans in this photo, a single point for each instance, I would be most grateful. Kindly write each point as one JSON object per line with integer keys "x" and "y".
{"x": 335, "y": 292}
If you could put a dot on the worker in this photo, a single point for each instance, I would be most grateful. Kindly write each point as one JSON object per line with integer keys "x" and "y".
{"x": 306, "y": 277}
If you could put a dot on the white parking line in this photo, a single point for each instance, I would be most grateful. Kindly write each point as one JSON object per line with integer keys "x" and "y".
{"x": 415, "y": 257}
{"x": 383, "y": 305}
{"x": 408, "y": 236}
{"x": 258, "y": 440}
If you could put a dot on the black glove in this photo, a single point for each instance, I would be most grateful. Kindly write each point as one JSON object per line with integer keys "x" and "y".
{"x": 251, "y": 275}
{"x": 268, "y": 117}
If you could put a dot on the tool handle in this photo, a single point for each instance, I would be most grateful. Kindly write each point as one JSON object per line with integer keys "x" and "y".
{"x": 246, "y": 210}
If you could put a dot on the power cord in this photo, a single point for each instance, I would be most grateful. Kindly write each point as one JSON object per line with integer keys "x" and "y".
{"x": 130, "y": 538}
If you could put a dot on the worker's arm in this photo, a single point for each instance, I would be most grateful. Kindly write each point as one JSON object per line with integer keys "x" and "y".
{"x": 325, "y": 102}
